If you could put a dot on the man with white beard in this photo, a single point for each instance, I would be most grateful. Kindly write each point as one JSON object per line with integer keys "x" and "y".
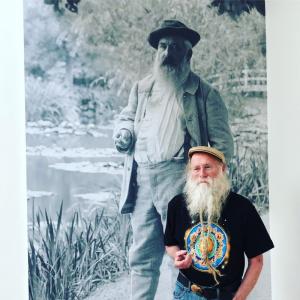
{"x": 209, "y": 229}
{"x": 168, "y": 111}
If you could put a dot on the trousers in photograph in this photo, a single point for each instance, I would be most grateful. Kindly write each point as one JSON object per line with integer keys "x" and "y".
{"x": 157, "y": 185}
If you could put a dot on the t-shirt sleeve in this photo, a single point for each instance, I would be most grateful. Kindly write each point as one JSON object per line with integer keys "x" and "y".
{"x": 257, "y": 239}
{"x": 169, "y": 236}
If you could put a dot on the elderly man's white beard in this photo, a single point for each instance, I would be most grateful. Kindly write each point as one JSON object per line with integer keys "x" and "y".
{"x": 171, "y": 78}
{"x": 206, "y": 199}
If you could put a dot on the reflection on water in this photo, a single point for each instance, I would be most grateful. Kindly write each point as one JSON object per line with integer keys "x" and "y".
{"x": 90, "y": 167}
{"x": 48, "y": 186}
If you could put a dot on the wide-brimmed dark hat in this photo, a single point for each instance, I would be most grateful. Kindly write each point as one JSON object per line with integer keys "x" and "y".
{"x": 173, "y": 27}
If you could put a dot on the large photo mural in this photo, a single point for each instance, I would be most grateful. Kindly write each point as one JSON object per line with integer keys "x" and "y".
{"x": 81, "y": 60}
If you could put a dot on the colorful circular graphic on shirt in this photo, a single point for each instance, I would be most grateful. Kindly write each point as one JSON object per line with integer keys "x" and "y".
{"x": 201, "y": 237}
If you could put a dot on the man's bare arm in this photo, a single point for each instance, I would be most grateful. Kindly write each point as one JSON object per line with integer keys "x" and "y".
{"x": 171, "y": 250}
{"x": 255, "y": 265}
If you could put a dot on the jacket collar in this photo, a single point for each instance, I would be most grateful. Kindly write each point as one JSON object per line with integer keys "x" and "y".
{"x": 190, "y": 86}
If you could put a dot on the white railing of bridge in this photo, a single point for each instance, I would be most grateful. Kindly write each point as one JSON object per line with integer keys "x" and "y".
{"x": 248, "y": 81}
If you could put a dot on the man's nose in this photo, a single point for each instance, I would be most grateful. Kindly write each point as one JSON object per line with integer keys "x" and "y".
{"x": 202, "y": 173}
{"x": 169, "y": 51}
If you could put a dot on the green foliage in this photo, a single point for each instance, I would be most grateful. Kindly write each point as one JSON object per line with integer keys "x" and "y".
{"x": 123, "y": 26}
{"x": 69, "y": 261}
{"x": 109, "y": 38}
{"x": 49, "y": 101}
{"x": 249, "y": 174}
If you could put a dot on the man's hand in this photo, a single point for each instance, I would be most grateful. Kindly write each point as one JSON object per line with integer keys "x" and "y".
{"x": 123, "y": 140}
{"x": 182, "y": 259}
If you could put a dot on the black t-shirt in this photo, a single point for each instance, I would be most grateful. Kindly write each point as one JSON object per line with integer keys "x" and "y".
{"x": 239, "y": 231}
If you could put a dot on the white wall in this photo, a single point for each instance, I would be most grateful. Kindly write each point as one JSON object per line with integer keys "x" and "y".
{"x": 283, "y": 68}
{"x": 13, "y": 243}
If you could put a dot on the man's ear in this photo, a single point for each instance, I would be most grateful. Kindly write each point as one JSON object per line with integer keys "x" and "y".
{"x": 189, "y": 54}
{"x": 224, "y": 168}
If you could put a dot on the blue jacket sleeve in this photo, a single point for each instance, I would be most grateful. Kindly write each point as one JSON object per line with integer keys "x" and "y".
{"x": 127, "y": 116}
{"x": 219, "y": 133}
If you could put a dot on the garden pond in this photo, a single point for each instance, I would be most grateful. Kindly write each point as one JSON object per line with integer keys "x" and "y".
{"x": 74, "y": 164}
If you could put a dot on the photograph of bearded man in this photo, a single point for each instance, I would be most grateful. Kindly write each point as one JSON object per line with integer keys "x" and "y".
{"x": 210, "y": 229}
{"x": 169, "y": 111}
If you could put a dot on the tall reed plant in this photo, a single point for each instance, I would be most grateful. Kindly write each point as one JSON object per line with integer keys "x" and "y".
{"x": 248, "y": 171}
{"x": 67, "y": 261}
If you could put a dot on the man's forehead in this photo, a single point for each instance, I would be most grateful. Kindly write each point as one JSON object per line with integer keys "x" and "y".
{"x": 172, "y": 39}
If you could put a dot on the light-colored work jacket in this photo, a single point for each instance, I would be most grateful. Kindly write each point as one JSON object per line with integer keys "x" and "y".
{"x": 206, "y": 119}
